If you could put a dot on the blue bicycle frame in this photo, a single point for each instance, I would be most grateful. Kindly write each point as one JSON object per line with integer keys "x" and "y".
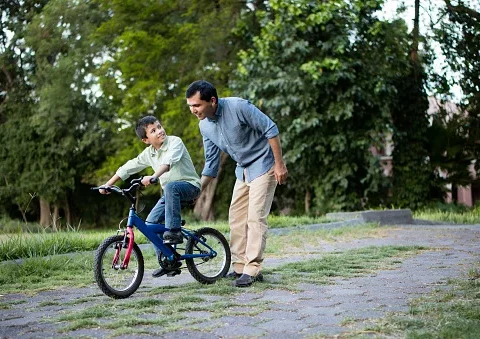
{"x": 151, "y": 231}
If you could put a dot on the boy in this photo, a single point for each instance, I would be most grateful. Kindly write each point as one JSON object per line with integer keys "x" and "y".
{"x": 169, "y": 158}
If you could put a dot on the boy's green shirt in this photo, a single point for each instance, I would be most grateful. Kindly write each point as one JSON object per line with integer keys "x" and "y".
{"x": 173, "y": 153}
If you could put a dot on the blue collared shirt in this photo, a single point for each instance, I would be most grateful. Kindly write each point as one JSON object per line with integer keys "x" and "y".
{"x": 241, "y": 130}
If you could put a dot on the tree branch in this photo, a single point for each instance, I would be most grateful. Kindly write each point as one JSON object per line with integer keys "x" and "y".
{"x": 462, "y": 9}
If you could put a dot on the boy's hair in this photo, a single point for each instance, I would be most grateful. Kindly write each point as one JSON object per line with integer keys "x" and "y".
{"x": 141, "y": 128}
{"x": 206, "y": 89}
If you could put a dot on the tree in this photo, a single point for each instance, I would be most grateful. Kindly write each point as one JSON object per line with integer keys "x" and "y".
{"x": 60, "y": 131}
{"x": 154, "y": 50}
{"x": 325, "y": 72}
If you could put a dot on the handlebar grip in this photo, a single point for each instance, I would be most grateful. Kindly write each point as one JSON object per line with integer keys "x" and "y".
{"x": 154, "y": 180}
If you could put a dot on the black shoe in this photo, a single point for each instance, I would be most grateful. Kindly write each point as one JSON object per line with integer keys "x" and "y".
{"x": 173, "y": 237}
{"x": 162, "y": 271}
{"x": 246, "y": 280}
{"x": 233, "y": 275}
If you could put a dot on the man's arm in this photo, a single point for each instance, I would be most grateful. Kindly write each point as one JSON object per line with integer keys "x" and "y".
{"x": 205, "y": 181}
{"x": 280, "y": 170}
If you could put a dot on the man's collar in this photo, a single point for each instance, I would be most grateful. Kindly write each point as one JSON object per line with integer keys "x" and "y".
{"x": 218, "y": 112}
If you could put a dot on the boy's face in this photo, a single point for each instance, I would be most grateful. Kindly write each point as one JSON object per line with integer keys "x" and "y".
{"x": 155, "y": 135}
{"x": 200, "y": 108}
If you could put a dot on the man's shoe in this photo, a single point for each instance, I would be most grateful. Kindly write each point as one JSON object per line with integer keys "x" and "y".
{"x": 246, "y": 280}
{"x": 173, "y": 237}
{"x": 233, "y": 275}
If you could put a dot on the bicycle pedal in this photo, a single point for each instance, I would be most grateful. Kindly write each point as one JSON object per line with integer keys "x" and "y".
{"x": 173, "y": 273}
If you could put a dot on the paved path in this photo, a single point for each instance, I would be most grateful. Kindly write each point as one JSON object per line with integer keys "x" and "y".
{"x": 329, "y": 310}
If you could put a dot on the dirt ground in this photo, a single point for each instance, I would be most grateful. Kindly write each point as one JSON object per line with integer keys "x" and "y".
{"x": 316, "y": 310}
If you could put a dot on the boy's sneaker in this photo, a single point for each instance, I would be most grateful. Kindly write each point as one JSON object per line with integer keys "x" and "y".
{"x": 173, "y": 237}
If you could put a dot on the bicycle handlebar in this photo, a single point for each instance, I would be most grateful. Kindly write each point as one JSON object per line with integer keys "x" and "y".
{"x": 128, "y": 192}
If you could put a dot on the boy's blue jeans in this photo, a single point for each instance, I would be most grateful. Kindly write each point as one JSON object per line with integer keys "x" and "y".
{"x": 169, "y": 205}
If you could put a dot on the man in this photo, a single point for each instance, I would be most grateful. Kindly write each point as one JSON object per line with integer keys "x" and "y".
{"x": 251, "y": 138}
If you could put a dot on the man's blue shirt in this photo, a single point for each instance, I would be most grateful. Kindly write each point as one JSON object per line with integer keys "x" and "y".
{"x": 241, "y": 130}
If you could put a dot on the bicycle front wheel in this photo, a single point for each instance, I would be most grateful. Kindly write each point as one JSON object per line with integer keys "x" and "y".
{"x": 208, "y": 269}
{"x": 115, "y": 281}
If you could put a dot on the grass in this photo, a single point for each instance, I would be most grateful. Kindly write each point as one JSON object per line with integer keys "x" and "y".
{"x": 451, "y": 312}
{"x": 450, "y": 213}
{"x": 75, "y": 269}
{"x": 165, "y": 309}
{"x": 33, "y": 242}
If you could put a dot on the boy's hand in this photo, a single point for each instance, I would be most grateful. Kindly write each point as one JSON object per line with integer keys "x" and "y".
{"x": 104, "y": 191}
{"x": 149, "y": 179}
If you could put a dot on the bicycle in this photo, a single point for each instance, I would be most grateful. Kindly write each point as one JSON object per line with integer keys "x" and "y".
{"x": 119, "y": 264}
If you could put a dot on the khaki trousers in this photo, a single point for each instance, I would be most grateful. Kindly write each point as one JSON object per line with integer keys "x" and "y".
{"x": 249, "y": 209}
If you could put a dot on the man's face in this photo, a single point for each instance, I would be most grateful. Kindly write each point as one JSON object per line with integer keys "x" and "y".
{"x": 200, "y": 108}
{"x": 155, "y": 135}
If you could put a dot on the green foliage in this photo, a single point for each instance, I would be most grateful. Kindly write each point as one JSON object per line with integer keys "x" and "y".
{"x": 324, "y": 72}
{"x": 153, "y": 51}
{"x": 52, "y": 137}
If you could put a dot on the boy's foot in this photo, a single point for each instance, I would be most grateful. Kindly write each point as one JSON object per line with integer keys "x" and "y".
{"x": 162, "y": 271}
{"x": 173, "y": 237}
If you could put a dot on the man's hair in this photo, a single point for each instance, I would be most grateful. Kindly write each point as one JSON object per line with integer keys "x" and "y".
{"x": 206, "y": 89}
{"x": 141, "y": 127}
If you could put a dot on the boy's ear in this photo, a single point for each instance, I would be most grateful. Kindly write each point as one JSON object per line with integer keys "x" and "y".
{"x": 145, "y": 140}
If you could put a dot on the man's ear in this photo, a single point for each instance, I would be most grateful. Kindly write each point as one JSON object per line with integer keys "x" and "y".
{"x": 213, "y": 100}
{"x": 145, "y": 140}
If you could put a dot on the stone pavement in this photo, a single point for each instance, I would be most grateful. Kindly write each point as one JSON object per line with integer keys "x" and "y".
{"x": 311, "y": 311}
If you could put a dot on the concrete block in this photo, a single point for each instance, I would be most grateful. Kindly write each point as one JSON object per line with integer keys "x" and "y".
{"x": 389, "y": 217}
{"x": 383, "y": 217}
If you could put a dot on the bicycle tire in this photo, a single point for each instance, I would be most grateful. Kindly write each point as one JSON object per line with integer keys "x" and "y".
{"x": 115, "y": 282}
{"x": 208, "y": 270}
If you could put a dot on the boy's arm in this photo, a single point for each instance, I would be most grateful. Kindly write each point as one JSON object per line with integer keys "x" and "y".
{"x": 162, "y": 169}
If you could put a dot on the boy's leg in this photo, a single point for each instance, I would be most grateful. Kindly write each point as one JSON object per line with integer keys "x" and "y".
{"x": 157, "y": 215}
{"x": 237, "y": 219}
{"x": 176, "y": 192}
{"x": 262, "y": 190}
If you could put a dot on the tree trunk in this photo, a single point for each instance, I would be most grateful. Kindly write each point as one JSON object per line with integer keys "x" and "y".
{"x": 308, "y": 197}
{"x": 68, "y": 213}
{"x": 416, "y": 37}
{"x": 56, "y": 218}
{"x": 204, "y": 205}
{"x": 45, "y": 215}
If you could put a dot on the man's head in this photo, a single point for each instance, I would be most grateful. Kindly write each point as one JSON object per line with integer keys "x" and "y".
{"x": 202, "y": 99}
{"x": 150, "y": 131}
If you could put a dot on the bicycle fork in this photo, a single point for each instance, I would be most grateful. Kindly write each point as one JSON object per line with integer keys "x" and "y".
{"x": 124, "y": 265}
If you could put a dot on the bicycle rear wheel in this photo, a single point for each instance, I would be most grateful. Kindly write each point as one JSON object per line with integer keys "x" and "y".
{"x": 208, "y": 269}
{"x": 114, "y": 281}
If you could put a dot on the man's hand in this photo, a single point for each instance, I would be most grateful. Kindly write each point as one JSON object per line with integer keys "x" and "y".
{"x": 281, "y": 173}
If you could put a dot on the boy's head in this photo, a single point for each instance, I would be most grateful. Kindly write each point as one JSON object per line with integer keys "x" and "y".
{"x": 142, "y": 124}
{"x": 151, "y": 131}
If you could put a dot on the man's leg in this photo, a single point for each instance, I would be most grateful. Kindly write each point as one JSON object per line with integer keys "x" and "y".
{"x": 262, "y": 190}
{"x": 237, "y": 219}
